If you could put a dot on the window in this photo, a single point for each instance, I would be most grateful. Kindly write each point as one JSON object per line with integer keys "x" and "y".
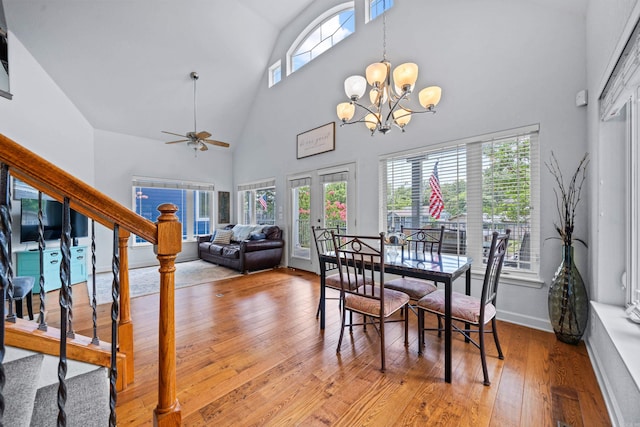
{"x": 194, "y": 201}
{"x": 321, "y": 35}
{"x": 275, "y": 73}
{"x": 620, "y": 117}
{"x": 377, "y": 7}
{"x": 257, "y": 203}
{"x": 486, "y": 183}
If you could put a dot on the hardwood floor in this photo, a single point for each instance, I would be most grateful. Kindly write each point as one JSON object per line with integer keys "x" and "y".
{"x": 250, "y": 352}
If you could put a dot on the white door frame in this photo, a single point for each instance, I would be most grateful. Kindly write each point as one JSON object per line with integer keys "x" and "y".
{"x": 316, "y": 216}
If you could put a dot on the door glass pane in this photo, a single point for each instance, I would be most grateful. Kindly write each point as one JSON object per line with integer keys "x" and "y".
{"x": 301, "y": 236}
{"x": 335, "y": 204}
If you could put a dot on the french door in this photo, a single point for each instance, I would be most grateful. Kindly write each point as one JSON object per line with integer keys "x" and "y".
{"x": 324, "y": 198}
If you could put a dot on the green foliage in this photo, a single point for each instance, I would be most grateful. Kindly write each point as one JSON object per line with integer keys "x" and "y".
{"x": 335, "y": 208}
{"x": 506, "y": 189}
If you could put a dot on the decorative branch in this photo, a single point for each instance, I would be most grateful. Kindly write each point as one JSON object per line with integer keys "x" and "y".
{"x": 568, "y": 198}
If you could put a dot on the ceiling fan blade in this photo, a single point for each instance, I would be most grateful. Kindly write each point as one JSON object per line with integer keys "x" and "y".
{"x": 203, "y": 135}
{"x": 203, "y": 147}
{"x": 181, "y": 140}
{"x": 176, "y": 134}
{"x": 214, "y": 142}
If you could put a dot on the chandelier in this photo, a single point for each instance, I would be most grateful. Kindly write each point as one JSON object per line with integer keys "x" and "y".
{"x": 387, "y": 98}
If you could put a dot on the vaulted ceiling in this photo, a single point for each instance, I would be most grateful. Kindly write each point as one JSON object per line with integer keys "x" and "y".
{"x": 125, "y": 64}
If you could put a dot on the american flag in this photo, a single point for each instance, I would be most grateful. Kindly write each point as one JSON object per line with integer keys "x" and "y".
{"x": 263, "y": 201}
{"x": 436, "y": 204}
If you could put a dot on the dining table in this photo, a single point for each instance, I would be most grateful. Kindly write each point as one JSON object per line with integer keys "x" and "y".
{"x": 441, "y": 268}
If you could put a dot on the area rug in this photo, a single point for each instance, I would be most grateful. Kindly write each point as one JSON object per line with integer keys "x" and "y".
{"x": 145, "y": 281}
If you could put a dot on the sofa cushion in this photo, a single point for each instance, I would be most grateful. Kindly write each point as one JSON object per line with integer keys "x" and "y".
{"x": 215, "y": 249}
{"x": 231, "y": 251}
{"x": 223, "y": 237}
{"x": 261, "y": 245}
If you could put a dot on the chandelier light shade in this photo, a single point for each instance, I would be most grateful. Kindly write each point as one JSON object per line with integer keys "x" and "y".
{"x": 387, "y": 97}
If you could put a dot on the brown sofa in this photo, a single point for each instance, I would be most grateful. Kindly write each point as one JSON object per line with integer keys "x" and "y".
{"x": 255, "y": 253}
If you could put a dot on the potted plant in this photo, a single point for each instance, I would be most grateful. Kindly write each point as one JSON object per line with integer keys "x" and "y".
{"x": 568, "y": 300}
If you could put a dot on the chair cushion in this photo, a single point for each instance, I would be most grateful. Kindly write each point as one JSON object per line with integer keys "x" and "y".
{"x": 333, "y": 281}
{"x": 463, "y": 307}
{"x": 415, "y": 288}
{"x": 393, "y": 301}
{"x": 22, "y": 285}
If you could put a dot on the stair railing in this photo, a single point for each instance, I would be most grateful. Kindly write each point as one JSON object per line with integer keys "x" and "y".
{"x": 165, "y": 235}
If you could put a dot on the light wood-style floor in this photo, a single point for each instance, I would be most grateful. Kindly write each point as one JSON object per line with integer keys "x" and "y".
{"x": 250, "y": 352}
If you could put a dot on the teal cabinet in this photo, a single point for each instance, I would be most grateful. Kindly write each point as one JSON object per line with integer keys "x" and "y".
{"x": 28, "y": 264}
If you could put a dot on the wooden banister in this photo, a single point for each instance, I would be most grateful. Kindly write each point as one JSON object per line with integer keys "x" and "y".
{"x": 166, "y": 234}
{"x": 57, "y": 183}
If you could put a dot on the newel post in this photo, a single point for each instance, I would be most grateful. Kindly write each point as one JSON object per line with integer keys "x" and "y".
{"x": 167, "y": 413}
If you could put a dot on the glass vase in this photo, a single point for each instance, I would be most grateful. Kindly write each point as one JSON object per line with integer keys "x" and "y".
{"x": 568, "y": 300}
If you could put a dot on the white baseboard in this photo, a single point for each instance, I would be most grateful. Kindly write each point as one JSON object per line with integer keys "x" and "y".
{"x": 529, "y": 321}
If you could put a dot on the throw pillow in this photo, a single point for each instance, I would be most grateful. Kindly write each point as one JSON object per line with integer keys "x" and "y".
{"x": 241, "y": 232}
{"x": 223, "y": 237}
{"x": 257, "y": 236}
{"x": 213, "y": 236}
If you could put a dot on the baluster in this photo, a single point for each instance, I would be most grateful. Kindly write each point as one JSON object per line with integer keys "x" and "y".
{"x": 115, "y": 308}
{"x": 5, "y": 251}
{"x": 94, "y": 302}
{"x": 66, "y": 225}
{"x": 42, "y": 325}
{"x": 5, "y": 267}
{"x": 65, "y": 301}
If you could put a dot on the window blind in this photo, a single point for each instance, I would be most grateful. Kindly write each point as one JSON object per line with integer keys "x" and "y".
{"x": 165, "y": 183}
{"x": 487, "y": 183}
{"x": 270, "y": 183}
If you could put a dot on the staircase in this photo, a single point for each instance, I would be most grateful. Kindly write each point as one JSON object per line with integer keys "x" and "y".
{"x": 31, "y": 390}
{"x": 46, "y": 374}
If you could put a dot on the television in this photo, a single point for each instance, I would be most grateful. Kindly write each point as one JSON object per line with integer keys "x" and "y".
{"x": 51, "y": 221}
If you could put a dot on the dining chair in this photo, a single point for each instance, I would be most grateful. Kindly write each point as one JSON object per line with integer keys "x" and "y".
{"x": 361, "y": 269}
{"x": 475, "y": 312}
{"x": 324, "y": 245}
{"x": 417, "y": 243}
{"x": 22, "y": 290}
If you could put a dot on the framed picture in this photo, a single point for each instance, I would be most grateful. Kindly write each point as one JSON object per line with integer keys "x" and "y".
{"x": 316, "y": 141}
{"x": 224, "y": 216}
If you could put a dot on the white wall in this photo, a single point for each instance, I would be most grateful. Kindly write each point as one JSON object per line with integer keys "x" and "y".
{"x": 501, "y": 64}
{"x": 120, "y": 157}
{"x": 41, "y": 118}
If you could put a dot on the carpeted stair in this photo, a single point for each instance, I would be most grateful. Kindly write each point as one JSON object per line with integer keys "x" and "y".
{"x": 31, "y": 391}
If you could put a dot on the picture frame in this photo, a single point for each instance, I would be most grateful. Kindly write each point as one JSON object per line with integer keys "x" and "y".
{"x": 316, "y": 141}
{"x": 224, "y": 205}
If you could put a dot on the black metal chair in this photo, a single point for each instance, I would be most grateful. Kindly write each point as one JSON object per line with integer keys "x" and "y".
{"x": 417, "y": 243}
{"x": 23, "y": 289}
{"x": 324, "y": 245}
{"x": 474, "y": 312}
{"x": 361, "y": 269}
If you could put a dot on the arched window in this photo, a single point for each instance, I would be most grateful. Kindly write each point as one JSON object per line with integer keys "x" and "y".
{"x": 321, "y": 35}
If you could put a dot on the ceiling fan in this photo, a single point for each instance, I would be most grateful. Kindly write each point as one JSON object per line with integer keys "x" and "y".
{"x": 196, "y": 140}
